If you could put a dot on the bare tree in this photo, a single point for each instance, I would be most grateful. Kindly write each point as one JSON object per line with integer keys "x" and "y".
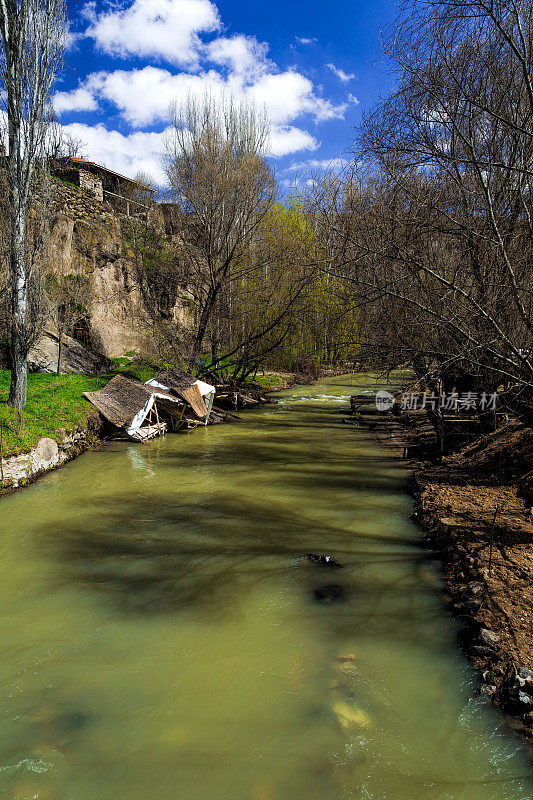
{"x": 60, "y": 145}
{"x": 224, "y": 188}
{"x": 33, "y": 36}
{"x": 432, "y": 223}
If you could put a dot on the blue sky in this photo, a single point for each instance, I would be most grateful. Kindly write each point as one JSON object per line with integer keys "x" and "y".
{"x": 313, "y": 66}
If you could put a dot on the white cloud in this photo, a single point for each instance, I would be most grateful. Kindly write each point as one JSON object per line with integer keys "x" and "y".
{"x": 340, "y": 73}
{"x": 128, "y": 155}
{"x": 287, "y": 95}
{"x": 144, "y": 96}
{"x": 141, "y": 151}
{"x": 80, "y": 99}
{"x": 289, "y": 139}
{"x": 243, "y": 55}
{"x": 353, "y": 99}
{"x": 166, "y": 29}
{"x": 306, "y": 40}
{"x": 327, "y": 164}
{"x": 171, "y": 30}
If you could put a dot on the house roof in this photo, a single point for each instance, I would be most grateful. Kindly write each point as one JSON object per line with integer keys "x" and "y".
{"x": 181, "y": 384}
{"x": 83, "y": 162}
{"x": 122, "y": 400}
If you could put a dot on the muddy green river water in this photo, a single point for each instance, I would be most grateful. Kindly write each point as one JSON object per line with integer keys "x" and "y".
{"x": 162, "y": 640}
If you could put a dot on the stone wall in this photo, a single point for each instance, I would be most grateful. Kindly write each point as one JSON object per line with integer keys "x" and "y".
{"x": 92, "y": 183}
{"x": 48, "y": 454}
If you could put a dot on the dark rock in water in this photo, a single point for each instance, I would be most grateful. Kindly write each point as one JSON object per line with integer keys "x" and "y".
{"x": 73, "y": 721}
{"x": 480, "y": 651}
{"x": 487, "y": 638}
{"x": 326, "y": 561}
{"x": 332, "y": 593}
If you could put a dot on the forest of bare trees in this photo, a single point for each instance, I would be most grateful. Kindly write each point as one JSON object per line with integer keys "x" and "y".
{"x": 430, "y": 224}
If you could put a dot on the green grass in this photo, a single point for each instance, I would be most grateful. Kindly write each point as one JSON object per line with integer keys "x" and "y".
{"x": 54, "y": 402}
{"x": 265, "y": 382}
{"x": 269, "y": 381}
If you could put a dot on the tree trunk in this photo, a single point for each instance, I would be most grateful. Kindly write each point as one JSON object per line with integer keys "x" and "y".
{"x": 202, "y": 325}
{"x": 19, "y": 366}
{"x": 59, "y": 342}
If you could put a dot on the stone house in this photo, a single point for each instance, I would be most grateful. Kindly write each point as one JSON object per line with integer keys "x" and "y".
{"x": 127, "y": 196}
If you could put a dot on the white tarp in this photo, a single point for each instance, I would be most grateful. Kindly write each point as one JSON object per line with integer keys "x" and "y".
{"x": 208, "y": 393}
{"x": 141, "y": 415}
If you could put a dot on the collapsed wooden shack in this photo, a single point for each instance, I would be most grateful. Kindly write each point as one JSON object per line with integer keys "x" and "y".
{"x": 137, "y": 410}
{"x": 197, "y": 394}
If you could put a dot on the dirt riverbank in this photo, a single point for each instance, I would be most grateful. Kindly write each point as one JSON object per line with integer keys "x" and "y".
{"x": 470, "y": 511}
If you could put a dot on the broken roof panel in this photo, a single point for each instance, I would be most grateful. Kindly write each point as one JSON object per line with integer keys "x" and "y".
{"x": 183, "y": 385}
{"x": 126, "y": 403}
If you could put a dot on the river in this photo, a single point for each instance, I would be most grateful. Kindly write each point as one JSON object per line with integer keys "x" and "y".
{"x": 162, "y": 640}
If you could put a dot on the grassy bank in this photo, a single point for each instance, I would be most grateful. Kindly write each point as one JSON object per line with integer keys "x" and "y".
{"x": 54, "y": 402}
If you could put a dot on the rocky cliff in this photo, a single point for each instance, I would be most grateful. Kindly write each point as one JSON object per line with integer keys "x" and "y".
{"x": 86, "y": 237}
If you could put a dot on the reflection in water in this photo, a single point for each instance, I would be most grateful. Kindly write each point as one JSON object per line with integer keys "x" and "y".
{"x": 163, "y": 637}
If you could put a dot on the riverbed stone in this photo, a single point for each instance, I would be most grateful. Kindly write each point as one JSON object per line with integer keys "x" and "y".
{"x": 526, "y": 673}
{"x": 487, "y": 638}
{"x": 480, "y": 651}
{"x": 349, "y": 717}
{"x": 332, "y": 593}
{"x": 525, "y": 699}
{"x": 45, "y": 453}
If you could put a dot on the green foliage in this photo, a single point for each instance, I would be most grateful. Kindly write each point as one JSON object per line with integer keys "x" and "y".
{"x": 324, "y": 323}
{"x": 138, "y": 370}
{"x": 56, "y": 401}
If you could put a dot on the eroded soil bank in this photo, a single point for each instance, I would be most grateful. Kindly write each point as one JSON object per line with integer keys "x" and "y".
{"x": 472, "y": 511}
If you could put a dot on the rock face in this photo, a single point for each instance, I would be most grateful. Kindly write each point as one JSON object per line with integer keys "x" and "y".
{"x": 75, "y": 358}
{"x": 87, "y": 241}
{"x": 87, "y": 237}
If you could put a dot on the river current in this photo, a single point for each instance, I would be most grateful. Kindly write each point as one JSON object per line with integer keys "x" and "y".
{"x": 162, "y": 639}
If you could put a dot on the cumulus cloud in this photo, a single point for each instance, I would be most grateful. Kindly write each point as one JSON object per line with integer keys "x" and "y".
{"x": 137, "y": 152}
{"x": 327, "y": 164}
{"x": 340, "y": 73}
{"x": 144, "y": 96}
{"x": 142, "y": 151}
{"x": 289, "y": 139}
{"x": 80, "y": 99}
{"x": 166, "y": 29}
{"x": 171, "y": 31}
{"x": 243, "y": 55}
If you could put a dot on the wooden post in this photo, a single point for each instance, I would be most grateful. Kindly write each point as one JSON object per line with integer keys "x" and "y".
{"x": 149, "y": 421}
{"x": 157, "y": 416}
